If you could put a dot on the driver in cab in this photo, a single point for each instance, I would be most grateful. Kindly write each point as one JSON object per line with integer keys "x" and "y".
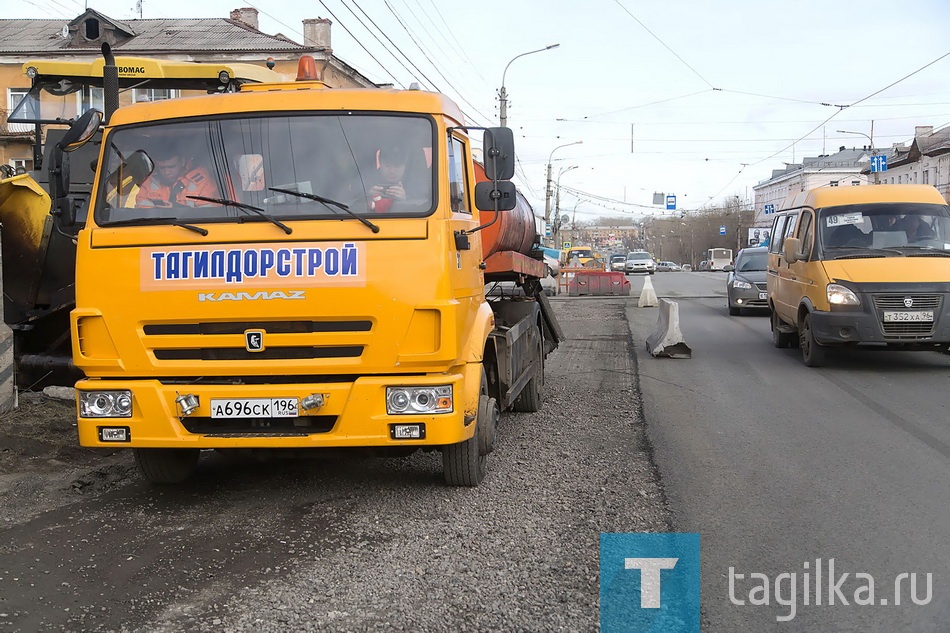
{"x": 173, "y": 180}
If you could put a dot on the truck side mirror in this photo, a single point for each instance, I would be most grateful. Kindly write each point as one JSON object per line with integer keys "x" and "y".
{"x": 63, "y": 206}
{"x": 79, "y": 133}
{"x": 502, "y": 192}
{"x": 498, "y": 148}
{"x": 140, "y": 166}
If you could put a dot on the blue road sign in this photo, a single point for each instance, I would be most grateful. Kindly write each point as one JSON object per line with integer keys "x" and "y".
{"x": 769, "y": 208}
{"x": 722, "y": 230}
{"x": 879, "y": 163}
{"x": 671, "y": 203}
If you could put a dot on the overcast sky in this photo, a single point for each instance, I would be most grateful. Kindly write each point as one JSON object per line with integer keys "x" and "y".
{"x": 709, "y": 96}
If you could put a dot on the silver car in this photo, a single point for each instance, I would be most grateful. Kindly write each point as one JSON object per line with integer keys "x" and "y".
{"x": 640, "y": 262}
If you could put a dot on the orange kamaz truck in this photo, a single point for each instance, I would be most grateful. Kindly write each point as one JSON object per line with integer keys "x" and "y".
{"x": 316, "y": 278}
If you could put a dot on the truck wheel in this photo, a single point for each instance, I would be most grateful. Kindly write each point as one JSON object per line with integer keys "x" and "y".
{"x": 166, "y": 465}
{"x": 780, "y": 339}
{"x": 465, "y": 464}
{"x": 813, "y": 354}
{"x": 529, "y": 400}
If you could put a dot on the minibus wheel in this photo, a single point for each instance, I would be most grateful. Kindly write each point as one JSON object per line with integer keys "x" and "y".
{"x": 813, "y": 354}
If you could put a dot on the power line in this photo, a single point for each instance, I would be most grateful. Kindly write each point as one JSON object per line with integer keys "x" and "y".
{"x": 436, "y": 29}
{"x": 356, "y": 4}
{"x": 755, "y": 94}
{"x": 425, "y": 53}
{"x": 461, "y": 48}
{"x": 876, "y": 92}
{"x": 432, "y": 60}
{"x": 657, "y": 38}
{"x": 358, "y": 41}
{"x": 643, "y": 105}
{"x": 49, "y": 8}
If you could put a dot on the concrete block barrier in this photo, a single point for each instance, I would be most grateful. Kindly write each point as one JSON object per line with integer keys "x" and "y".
{"x": 667, "y": 339}
{"x": 647, "y": 295}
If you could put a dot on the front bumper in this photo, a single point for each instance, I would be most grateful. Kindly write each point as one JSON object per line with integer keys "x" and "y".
{"x": 640, "y": 269}
{"x": 866, "y": 325}
{"x": 748, "y": 298}
{"x": 354, "y": 414}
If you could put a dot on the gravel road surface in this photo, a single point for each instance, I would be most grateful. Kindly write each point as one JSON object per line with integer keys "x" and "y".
{"x": 342, "y": 544}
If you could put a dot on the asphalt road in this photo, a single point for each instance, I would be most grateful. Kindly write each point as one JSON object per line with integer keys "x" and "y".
{"x": 776, "y": 464}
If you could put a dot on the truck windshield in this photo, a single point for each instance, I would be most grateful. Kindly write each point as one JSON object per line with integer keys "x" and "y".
{"x": 367, "y": 164}
{"x": 903, "y": 226}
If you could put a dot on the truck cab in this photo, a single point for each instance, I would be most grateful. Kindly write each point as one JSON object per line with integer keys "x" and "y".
{"x": 294, "y": 290}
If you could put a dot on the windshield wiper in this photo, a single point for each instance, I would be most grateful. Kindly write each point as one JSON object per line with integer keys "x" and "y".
{"x": 329, "y": 202}
{"x": 923, "y": 251}
{"x": 247, "y": 207}
{"x": 168, "y": 220}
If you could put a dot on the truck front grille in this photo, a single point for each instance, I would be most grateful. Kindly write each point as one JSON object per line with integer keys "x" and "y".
{"x": 269, "y": 327}
{"x": 283, "y": 340}
{"x": 271, "y": 353}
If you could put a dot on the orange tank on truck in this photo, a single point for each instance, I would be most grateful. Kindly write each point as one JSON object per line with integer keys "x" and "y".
{"x": 514, "y": 230}
{"x": 286, "y": 307}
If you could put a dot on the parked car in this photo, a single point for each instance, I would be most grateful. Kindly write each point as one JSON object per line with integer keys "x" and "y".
{"x": 640, "y": 262}
{"x": 746, "y": 285}
{"x": 667, "y": 267}
{"x": 687, "y": 267}
{"x": 618, "y": 262}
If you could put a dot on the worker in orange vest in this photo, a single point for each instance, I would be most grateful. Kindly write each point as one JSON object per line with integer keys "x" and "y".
{"x": 172, "y": 181}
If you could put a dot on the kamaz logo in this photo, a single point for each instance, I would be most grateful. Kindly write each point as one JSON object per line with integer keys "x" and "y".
{"x": 261, "y": 295}
{"x": 131, "y": 70}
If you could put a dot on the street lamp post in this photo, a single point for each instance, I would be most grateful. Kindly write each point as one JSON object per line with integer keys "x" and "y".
{"x": 503, "y": 94}
{"x": 574, "y": 223}
{"x": 547, "y": 192}
{"x": 557, "y": 197}
{"x": 869, "y": 137}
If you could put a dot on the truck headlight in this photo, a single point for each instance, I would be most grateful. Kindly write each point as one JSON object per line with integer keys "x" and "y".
{"x": 741, "y": 284}
{"x": 105, "y": 404}
{"x": 838, "y": 295}
{"x": 415, "y": 400}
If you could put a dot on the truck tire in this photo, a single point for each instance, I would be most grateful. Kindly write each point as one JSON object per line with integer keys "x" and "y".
{"x": 530, "y": 398}
{"x": 463, "y": 464}
{"x": 166, "y": 465}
